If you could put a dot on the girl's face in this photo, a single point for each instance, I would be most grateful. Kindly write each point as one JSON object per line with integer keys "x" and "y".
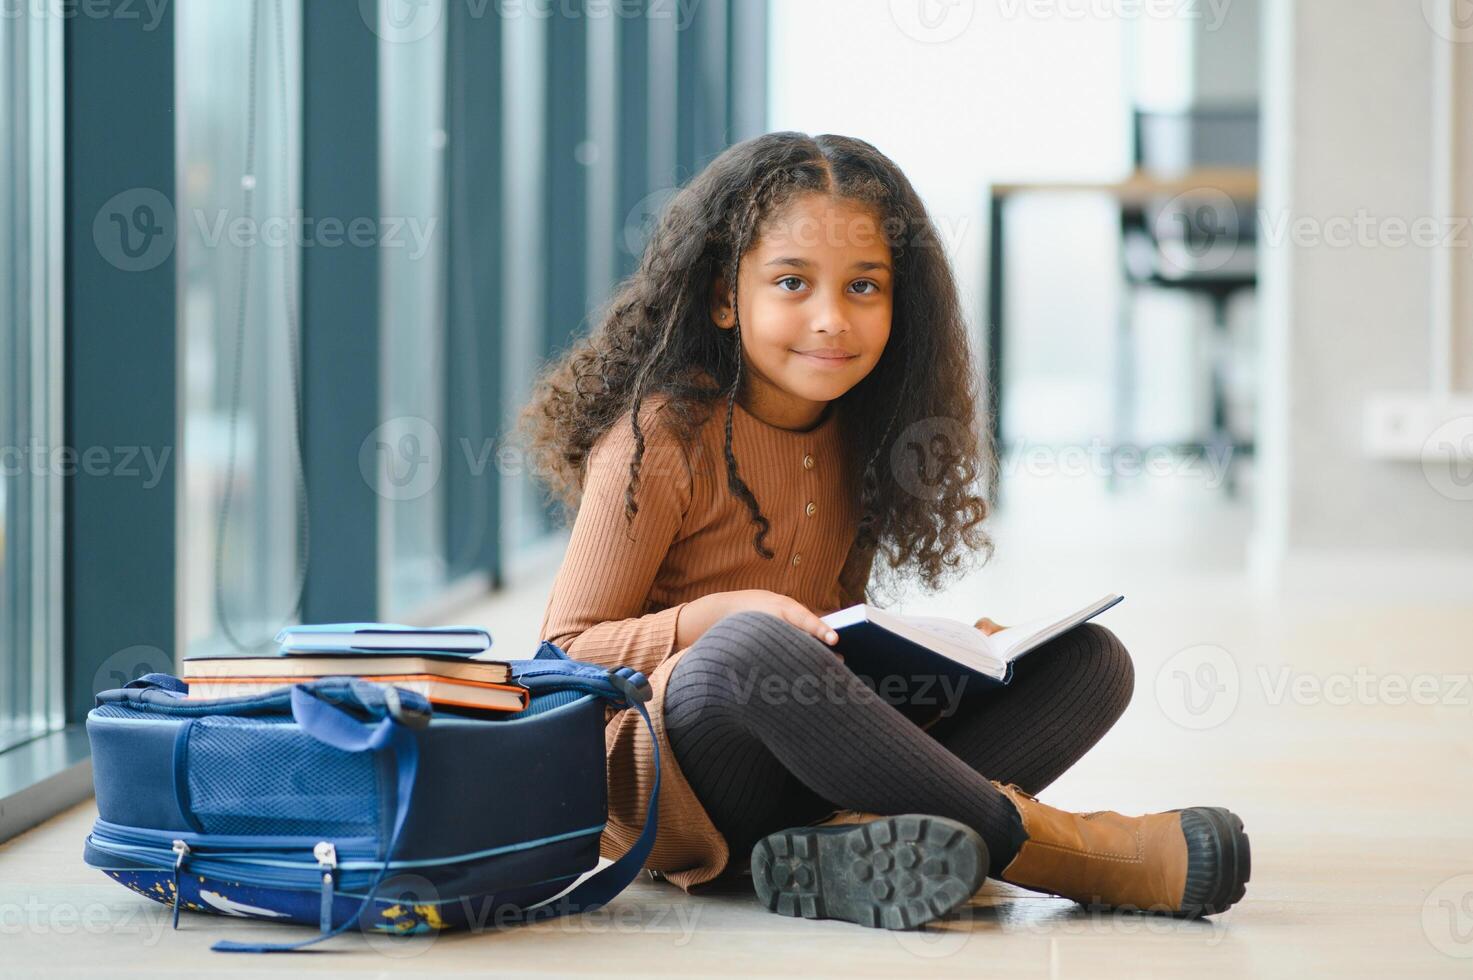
{"x": 815, "y": 302}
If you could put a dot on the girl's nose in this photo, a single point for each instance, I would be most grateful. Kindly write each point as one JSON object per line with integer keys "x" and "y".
{"x": 830, "y": 316}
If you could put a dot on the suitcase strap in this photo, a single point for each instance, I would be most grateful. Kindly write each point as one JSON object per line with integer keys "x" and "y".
{"x": 393, "y": 733}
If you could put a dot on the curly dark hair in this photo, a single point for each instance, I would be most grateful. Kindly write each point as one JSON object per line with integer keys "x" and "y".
{"x": 913, "y": 419}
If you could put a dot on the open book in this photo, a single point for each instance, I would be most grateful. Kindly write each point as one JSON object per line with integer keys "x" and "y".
{"x": 874, "y": 642}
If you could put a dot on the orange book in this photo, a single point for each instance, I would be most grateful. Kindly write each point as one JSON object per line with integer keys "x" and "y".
{"x": 439, "y": 690}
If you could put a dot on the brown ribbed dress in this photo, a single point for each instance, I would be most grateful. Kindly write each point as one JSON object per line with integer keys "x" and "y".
{"x": 621, "y": 586}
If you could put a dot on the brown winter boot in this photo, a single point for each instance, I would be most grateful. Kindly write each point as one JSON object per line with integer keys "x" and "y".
{"x": 1190, "y": 862}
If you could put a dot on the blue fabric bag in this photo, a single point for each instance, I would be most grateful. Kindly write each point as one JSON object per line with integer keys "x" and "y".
{"x": 341, "y": 802}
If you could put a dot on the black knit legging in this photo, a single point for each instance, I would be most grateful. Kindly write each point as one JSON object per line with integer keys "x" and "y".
{"x": 772, "y": 730}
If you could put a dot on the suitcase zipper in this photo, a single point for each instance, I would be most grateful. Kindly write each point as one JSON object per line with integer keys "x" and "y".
{"x": 279, "y": 870}
{"x": 282, "y": 868}
{"x": 180, "y": 849}
{"x": 323, "y": 851}
{"x": 327, "y": 860}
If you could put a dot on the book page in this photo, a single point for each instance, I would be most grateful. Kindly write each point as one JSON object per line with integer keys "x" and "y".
{"x": 1015, "y": 641}
{"x": 954, "y": 631}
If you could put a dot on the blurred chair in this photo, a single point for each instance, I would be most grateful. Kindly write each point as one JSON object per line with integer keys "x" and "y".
{"x": 1196, "y": 237}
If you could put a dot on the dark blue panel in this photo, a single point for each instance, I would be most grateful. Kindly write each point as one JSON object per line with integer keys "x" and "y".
{"x": 120, "y": 375}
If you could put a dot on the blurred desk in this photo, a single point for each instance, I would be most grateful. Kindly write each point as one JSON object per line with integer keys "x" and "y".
{"x": 1133, "y": 194}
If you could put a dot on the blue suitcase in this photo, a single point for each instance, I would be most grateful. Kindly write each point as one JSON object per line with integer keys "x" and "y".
{"x": 341, "y": 803}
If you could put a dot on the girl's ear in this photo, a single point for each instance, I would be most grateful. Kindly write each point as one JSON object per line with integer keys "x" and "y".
{"x": 721, "y": 304}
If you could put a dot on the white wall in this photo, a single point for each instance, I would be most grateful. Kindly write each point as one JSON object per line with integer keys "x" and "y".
{"x": 1348, "y": 130}
{"x": 1226, "y": 67}
{"x": 1012, "y": 91}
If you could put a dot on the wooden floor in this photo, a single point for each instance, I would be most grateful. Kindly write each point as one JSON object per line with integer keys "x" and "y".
{"x": 1300, "y": 710}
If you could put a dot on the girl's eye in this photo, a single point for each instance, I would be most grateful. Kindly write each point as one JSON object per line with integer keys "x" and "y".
{"x": 793, "y": 279}
{"x": 873, "y": 286}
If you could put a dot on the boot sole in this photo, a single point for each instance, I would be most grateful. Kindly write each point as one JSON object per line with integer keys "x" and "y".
{"x": 1218, "y": 878}
{"x": 896, "y": 872}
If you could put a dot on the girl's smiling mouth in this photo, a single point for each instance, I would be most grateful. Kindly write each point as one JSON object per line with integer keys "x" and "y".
{"x": 826, "y": 356}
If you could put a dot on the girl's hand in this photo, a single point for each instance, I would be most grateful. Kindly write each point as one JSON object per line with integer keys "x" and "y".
{"x": 988, "y": 626}
{"x": 701, "y": 614}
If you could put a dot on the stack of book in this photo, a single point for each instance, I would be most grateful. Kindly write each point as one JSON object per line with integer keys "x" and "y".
{"x": 449, "y": 665}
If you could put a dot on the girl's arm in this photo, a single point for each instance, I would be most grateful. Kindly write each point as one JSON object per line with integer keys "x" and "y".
{"x": 597, "y": 608}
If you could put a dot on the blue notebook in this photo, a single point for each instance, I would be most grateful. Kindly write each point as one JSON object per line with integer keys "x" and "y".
{"x": 876, "y": 643}
{"x": 383, "y": 637}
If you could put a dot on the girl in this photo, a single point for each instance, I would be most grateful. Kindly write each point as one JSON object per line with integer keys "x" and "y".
{"x": 781, "y": 392}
